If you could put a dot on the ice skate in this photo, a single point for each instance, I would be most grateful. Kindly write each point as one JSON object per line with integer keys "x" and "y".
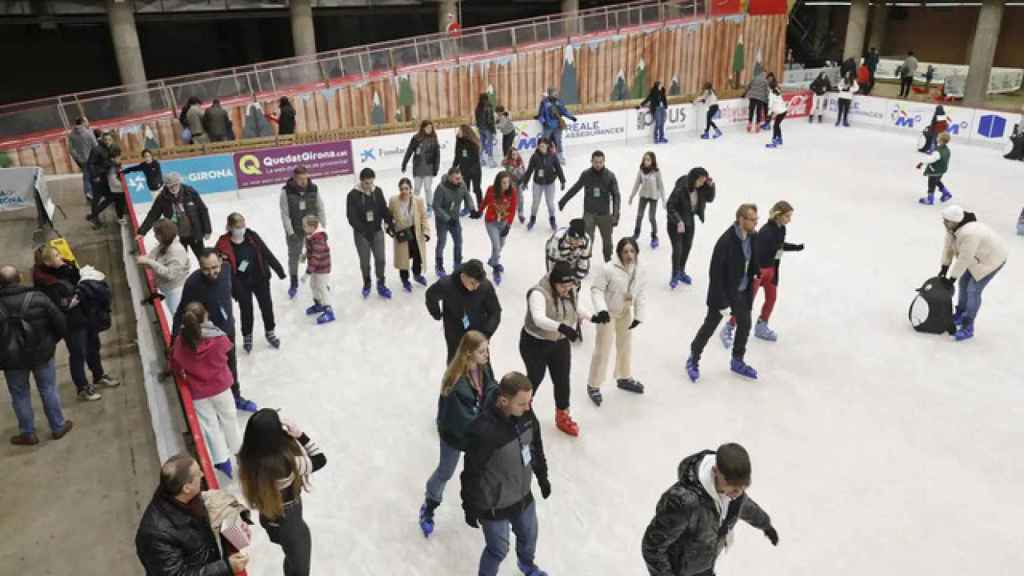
{"x": 565, "y": 423}
{"x": 247, "y": 343}
{"x": 244, "y": 404}
{"x": 439, "y": 268}
{"x": 705, "y": 136}
{"x": 685, "y": 278}
{"x": 965, "y": 331}
{"x": 727, "y": 335}
{"x": 420, "y": 279}
{"x": 293, "y": 288}
{"x": 316, "y": 308}
{"x": 273, "y": 340}
{"x": 383, "y": 291}
{"x": 427, "y": 517}
{"x": 718, "y": 133}
{"x": 674, "y": 282}
{"x": 553, "y": 223}
{"x": 743, "y": 369}
{"x": 927, "y": 200}
{"x": 366, "y": 291}
{"x": 224, "y": 467}
{"x": 530, "y": 570}
{"x": 326, "y": 316}
{"x": 630, "y": 385}
{"x": 692, "y": 369}
{"x": 762, "y": 331}
{"x": 406, "y": 285}
{"x": 532, "y": 223}
{"x": 654, "y": 242}
{"x": 946, "y": 194}
{"x": 595, "y": 395}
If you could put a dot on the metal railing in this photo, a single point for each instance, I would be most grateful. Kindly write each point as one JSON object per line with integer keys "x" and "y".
{"x": 122, "y": 104}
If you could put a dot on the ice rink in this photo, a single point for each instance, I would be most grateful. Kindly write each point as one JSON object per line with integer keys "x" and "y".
{"x": 875, "y": 449}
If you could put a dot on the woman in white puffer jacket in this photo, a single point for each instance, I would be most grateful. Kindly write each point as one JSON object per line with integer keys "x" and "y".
{"x": 619, "y": 289}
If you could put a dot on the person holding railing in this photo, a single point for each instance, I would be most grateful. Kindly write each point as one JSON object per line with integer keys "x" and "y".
{"x": 217, "y": 123}
{"x": 551, "y": 114}
{"x": 657, "y": 103}
{"x": 150, "y": 167}
{"x": 285, "y": 117}
{"x": 114, "y": 191}
{"x": 183, "y": 205}
{"x": 81, "y": 142}
{"x": 169, "y": 263}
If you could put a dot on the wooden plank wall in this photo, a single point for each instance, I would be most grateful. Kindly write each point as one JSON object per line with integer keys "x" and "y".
{"x": 694, "y": 53}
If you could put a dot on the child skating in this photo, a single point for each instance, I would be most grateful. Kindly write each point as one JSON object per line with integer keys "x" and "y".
{"x": 937, "y": 164}
{"x": 318, "y": 269}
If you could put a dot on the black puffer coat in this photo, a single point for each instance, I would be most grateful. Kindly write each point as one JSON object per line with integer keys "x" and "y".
{"x": 173, "y": 542}
{"x": 678, "y": 207}
{"x": 59, "y": 285}
{"x": 46, "y": 322}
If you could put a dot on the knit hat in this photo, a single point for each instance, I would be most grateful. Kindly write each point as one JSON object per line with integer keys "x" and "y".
{"x": 577, "y": 228}
{"x": 562, "y": 272}
{"x": 953, "y": 214}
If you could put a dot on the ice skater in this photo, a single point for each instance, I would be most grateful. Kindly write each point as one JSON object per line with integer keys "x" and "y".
{"x": 980, "y": 254}
{"x": 450, "y": 194}
{"x": 649, "y": 185}
{"x": 426, "y": 161}
{"x": 779, "y": 108}
{"x": 318, "y": 269}
{"x": 552, "y": 114}
{"x": 367, "y": 210}
{"x": 499, "y": 212}
{"x": 467, "y": 159}
{"x": 411, "y": 232}
{"x": 820, "y": 88}
{"x": 507, "y": 129}
{"x": 690, "y": 196}
{"x": 657, "y": 103}
{"x": 572, "y": 246}
{"x": 732, "y": 275}
{"x": 937, "y": 126}
{"x": 467, "y": 383}
{"x": 484, "y": 116}
{"x": 464, "y": 301}
{"x": 514, "y": 165}
{"x": 694, "y": 519}
{"x": 709, "y": 98}
{"x": 601, "y": 201}
{"x": 937, "y": 165}
{"x": 300, "y": 197}
{"x": 545, "y": 169}
{"x": 757, "y": 105}
{"x": 847, "y": 88}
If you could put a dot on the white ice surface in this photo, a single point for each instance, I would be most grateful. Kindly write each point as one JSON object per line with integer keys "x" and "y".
{"x": 876, "y": 450}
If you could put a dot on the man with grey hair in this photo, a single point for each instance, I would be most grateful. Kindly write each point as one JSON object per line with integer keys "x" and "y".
{"x": 185, "y": 207}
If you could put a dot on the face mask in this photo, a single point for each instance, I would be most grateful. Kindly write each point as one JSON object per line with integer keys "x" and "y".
{"x": 237, "y": 234}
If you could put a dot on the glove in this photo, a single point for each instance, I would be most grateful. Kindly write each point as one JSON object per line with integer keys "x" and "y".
{"x": 304, "y": 277}
{"x": 772, "y": 535}
{"x": 601, "y": 317}
{"x": 389, "y": 230}
{"x": 634, "y": 324}
{"x": 426, "y": 237}
{"x": 569, "y": 332}
{"x": 437, "y": 316}
{"x": 471, "y": 519}
{"x": 942, "y": 271}
{"x": 475, "y": 214}
{"x": 561, "y": 203}
{"x": 281, "y": 276}
{"x": 545, "y": 487}
{"x": 799, "y": 248}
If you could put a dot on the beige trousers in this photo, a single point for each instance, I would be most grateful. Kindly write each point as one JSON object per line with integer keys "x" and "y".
{"x": 617, "y": 329}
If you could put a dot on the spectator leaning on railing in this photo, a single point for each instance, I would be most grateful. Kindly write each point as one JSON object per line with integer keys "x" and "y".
{"x": 185, "y": 207}
{"x": 169, "y": 263}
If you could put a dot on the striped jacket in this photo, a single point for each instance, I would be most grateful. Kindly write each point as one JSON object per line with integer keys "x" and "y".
{"x": 558, "y": 250}
{"x": 318, "y": 253}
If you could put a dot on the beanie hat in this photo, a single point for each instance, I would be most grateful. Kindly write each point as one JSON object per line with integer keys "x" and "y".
{"x": 561, "y": 272}
{"x": 953, "y": 214}
{"x": 577, "y": 227}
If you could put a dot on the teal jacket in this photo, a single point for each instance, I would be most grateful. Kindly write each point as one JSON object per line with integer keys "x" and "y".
{"x": 462, "y": 406}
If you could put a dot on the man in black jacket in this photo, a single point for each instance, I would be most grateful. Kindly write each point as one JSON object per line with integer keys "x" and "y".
{"x": 217, "y": 123}
{"x": 688, "y": 199}
{"x": 695, "y": 517}
{"x": 174, "y": 536}
{"x": 183, "y": 205}
{"x": 299, "y": 198}
{"x": 27, "y": 348}
{"x": 469, "y": 303}
{"x": 600, "y": 201}
{"x": 100, "y": 163}
{"x": 367, "y": 210}
{"x": 732, "y": 272}
{"x": 504, "y": 452}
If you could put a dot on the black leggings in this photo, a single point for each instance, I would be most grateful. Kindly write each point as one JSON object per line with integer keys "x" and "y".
{"x": 756, "y": 110}
{"x": 545, "y": 355}
{"x": 777, "y": 126}
{"x": 681, "y": 244}
{"x": 711, "y": 118}
{"x": 291, "y": 533}
{"x": 906, "y": 83}
{"x": 415, "y": 256}
{"x": 261, "y": 290}
{"x": 933, "y": 183}
{"x": 844, "y": 111}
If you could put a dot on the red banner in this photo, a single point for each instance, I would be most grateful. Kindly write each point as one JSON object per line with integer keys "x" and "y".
{"x": 759, "y": 7}
{"x": 725, "y": 7}
{"x": 799, "y": 103}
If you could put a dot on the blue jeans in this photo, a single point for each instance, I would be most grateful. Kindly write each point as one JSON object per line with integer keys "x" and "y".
{"x": 496, "y": 536}
{"x": 443, "y": 229}
{"x": 969, "y": 297}
{"x": 660, "y": 113}
{"x": 84, "y": 348}
{"x": 444, "y": 472}
{"x": 46, "y": 381}
{"x": 494, "y": 230}
{"x": 86, "y": 180}
{"x": 555, "y": 135}
{"x": 487, "y": 143}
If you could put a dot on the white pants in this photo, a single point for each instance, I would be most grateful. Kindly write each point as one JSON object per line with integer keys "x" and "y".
{"x": 820, "y": 104}
{"x": 218, "y": 418}
{"x": 321, "y": 286}
{"x": 617, "y": 329}
{"x": 172, "y": 297}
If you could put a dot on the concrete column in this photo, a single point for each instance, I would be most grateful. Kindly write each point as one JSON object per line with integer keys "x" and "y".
{"x": 303, "y": 33}
{"x": 855, "y": 30}
{"x": 879, "y": 20}
{"x": 126, "y": 42}
{"x": 571, "y": 7}
{"x": 983, "y": 51}
{"x": 444, "y": 8}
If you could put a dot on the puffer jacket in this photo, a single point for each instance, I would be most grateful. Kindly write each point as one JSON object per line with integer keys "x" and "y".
{"x": 545, "y": 169}
{"x": 59, "y": 285}
{"x": 173, "y": 542}
{"x": 46, "y": 322}
{"x": 687, "y": 532}
{"x": 188, "y": 204}
{"x": 977, "y": 248}
{"x": 484, "y": 116}
{"x": 757, "y": 89}
{"x": 206, "y": 368}
{"x": 616, "y": 289}
{"x": 457, "y": 410}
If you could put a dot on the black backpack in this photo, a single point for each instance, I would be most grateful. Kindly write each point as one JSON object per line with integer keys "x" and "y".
{"x": 931, "y": 311}
{"x": 17, "y": 337}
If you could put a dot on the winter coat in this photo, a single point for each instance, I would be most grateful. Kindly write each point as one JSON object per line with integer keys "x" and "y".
{"x": 557, "y": 249}
{"x": 224, "y": 509}
{"x": 688, "y": 531}
{"x": 447, "y": 199}
{"x": 188, "y": 204}
{"x": 318, "y": 253}
{"x": 500, "y": 210}
{"x": 265, "y": 259}
{"x": 771, "y": 243}
{"x": 173, "y": 542}
{"x": 618, "y": 290}
{"x": 909, "y": 67}
{"x": 708, "y": 98}
{"x": 937, "y": 161}
{"x": 81, "y": 141}
{"x": 467, "y": 157}
{"x": 550, "y": 113}
{"x": 649, "y": 185}
{"x": 46, "y": 322}
{"x": 545, "y": 169}
{"x": 214, "y": 295}
{"x": 99, "y": 163}
{"x": 505, "y": 125}
{"x": 656, "y": 98}
{"x": 495, "y": 481}
{"x": 976, "y": 247}
{"x": 448, "y": 299}
{"x": 425, "y": 154}
{"x": 679, "y": 207}
{"x": 601, "y": 193}
{"x": 286, "y": 120}
{"x": 546, "y": 311}
{"x": 847, "y": 88}
{"x": 517, "y": 168}
{"x": 366, "y": 212}
{"x": 757, "y": 89}
{"x": 170, "y": 266}
{"x": 484, "y": 116}
{"x": 194, "y": 117}
{"x": 154, "y": 175}
{"x": 297, "y": 203}
{"x": 463, "y": 403}
{"x": 863, "y": 75}
{"x": 217, "y": 124}
{"x": 95, "y": 298}
{"x": 59, "y": 285}
{"x": 821, "y": 85}
{"x": 206, "y": 368}
{"x": 776, "y": 103}
{"x": 421, "y": 228}
{"x": 728, "y": 268}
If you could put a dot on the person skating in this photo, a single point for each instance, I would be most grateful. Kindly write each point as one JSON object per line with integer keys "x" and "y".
{"x": 545, "y": 169}
{"x": 757, "y": 106}
{"x": 464, "y": 301}
{"x": 504, "y": 451}
{"x": 771, "y": 244}
{"x": 937, "y": 165}
{"x": 318, "y": 269}
{"x": 185, "y": 207}
{"x": 937, "y": 126}
{"x": 367, "y": 209}
{"x": 507, "y": 129}
{"x": 649, "y": 185}
{"x": 732, "y": 271}
{"x": 150, "y": 168}
{"x": 657, "y": 103}
{"x": 778, "y": 107}
{"x": 572, "y": 246}
{"x": 426, "y": 161}
{"x": 620, "y": 289}
{"x": 467, "y": 383}
{"x": 552, "y": 323}
{"x": 411, "y": 232}
{"x": 847, "y": 88}
{"x": 552, "y": 114}
{"x": 820, "y": 88}
{"x": 709, "y": 98}
{"x": 980, "y": 254}
{"x": 499, "y": 209}
{"x": 467, "y": 159}
{"x": 600, "y": 202}
{"x": 484, "y": 116}
{"x": 694, "y": 519}
{"x": 451, "y": 193}
{"x": 1017, "y": 141}
{"x": 514, "y": 165}
{"x": 689, "y": 198}
{"x": 251, "y": 262}
{"x": 300, "y": 197}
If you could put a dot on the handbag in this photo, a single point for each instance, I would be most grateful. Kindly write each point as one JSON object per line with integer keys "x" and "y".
{"x": 404, "y": 235}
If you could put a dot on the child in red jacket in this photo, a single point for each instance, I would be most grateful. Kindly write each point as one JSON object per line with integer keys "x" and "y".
{"x": 499, "y": 208}
{"x": 318, "y": 268}
{"x": 200, "y": 355}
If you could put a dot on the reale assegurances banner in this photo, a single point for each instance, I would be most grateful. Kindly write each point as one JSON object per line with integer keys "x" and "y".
{"x": 275, "y": 165}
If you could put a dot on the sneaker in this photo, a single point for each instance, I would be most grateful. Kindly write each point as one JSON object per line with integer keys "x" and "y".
{"x": 420, "y": 279}
{"x": 58, "y": 434}
{"x": 630, "y": 385}
{"x": 25, "y": 440}
{"x": 107, "y": 381}
{"x": 244, "y": 404}
{"x": 762, "y": 331}
{"x": 727, "y": 335}
{"x": 685, "y": 278}
{"x": 743, "y": 369}
{"x": 566, "y": 424}
{"x": 927, "y": 200}
{"x": 224, "y": 467}
{"x": 273, "y": 340}
{"x": 326, "y": 316}
{"x": 406, "y": 285}
{"x": 383, "y": 291}
{"x": 247, "y": 343}
{"x": 595, "y": 395}
{"x": 89, "y": 394}
{"x": 692, "y": 369}
{"x": 530, "y": 570}
{"x": 316, "y": 308}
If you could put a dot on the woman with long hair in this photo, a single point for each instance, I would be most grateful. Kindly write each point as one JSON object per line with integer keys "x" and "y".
{"x": 545, "y": 168}
{"x": 426, "y": 161}
{"x": 709, "y": 98}
{"x": 285, "y": 116}
{"x": 499, "y": 210}
{"x": 411, "y": 231}
{"x": 467, "y": 158}
{"x": 649, "y": 185}
{"x": 466, "y": 384}
{"x": 847, "y": 88}
{"x": 484, "y": 116}
{"x": 514, "y": 165}
{"x": 274, "y": 466}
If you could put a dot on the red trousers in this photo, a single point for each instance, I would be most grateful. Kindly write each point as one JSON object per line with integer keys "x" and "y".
{"x": 764, "y": 280}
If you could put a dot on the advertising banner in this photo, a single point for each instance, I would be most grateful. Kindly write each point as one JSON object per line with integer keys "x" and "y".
{"x": 679, "y": 119}
{"x": 1001, "y": 79}
{"x": 799, "y": 104}
{"x": 275, "y": 165}
{"x": 594, "y": 128}
{"x": 18, "y": 188}
{"x": 915, "y": 117}
{"x": 864, "y": 111}
{"x": 207, "y": 174}
{"x": 732, "y": 111}
{"x": 993, "y": 128}
{"x": 386, "y": 152}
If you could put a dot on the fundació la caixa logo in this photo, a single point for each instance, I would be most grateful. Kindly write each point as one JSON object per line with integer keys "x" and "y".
{"x": 644, "y": 118}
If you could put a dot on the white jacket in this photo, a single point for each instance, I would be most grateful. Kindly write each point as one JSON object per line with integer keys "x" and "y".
{"x": 977, "y": 249}
{"x": 776, "y": 103}
{"x": 171, "y": 268}
{"x": 649, "y": 185}
{"x": 708, "y": 98}
{"x": 615, "y": 288}
{"x": 846, "y": 91}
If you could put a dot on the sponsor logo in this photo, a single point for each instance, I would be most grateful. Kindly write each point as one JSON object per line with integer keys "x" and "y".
{"x": 675, "y": 117}
{"x": 249, "y": 165}
{"x": 591, "y": 128}
{"x": 367, "y": 155}
{"x": 901, "y": 118}
{"x": 992, "y": 126}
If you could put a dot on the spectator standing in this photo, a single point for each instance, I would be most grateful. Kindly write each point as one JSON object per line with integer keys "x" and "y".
{"x": 545, "y": 169}
{"x": 169, "y": 263}
{"x": 194, "y": 117}
{"x": 484, "y": 116}
{"x": 217, "y": 123}
{"x": 150, "y": 167}
{"x": 499, "y": 212}
{"x": 552, "y": 114}
{"x": 464, "y": 301}
{"x": 300, "y": 197}
{"x": 185, "y": 207}
{"x": 285, "y": 117}
{"x": 820, "y": 88}
{"x": 600, "y": 201}
{"x": 367, "y": 210}
{"x": 450, "y": 194}
{"x": 81, "y": 142}
{"x": 847, "y": 88}
{"x": 871, "y": 61}
{"x": 99, "y": 165}
{"x": 426, "y": 161}
{"x": 907, "y": 71}
{"x": 411, "y": 233}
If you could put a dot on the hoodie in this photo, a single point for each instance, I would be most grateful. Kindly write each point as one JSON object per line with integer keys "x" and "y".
{"x": 205, "y": 369}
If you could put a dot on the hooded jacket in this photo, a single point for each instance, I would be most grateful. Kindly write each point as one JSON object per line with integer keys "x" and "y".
{"x": 977, "y": 248}
{"x": 688, "y": 530}
{"x": 297, "y": 203}
{"x": 484, "y": 116}
{"x": 618, "y": 290}
{"x": 545, "y": 169}
{"x": 426, "y": 156}
{"x": 46, "y": 322}
{"x": 192, "y": 207}
{"x": 457, "y": 410}
{"x": 447, "y": 199}
{"x": 286, "y": 119}
{"x": 206, "y": 368}
{"x": 757, "y": 89}
{"x": 171, "y": 541}
{"x": 265, "y": 259}
{"x": 728, "y": 268}
{"x": 601, "y": 192}
{"x": 467, "y": 156}
{"x": 170, "y": 266}
{"x": 558, "y": 250}
{"x": 448, "y": 299}
{"x": 551, "y": 110}
{"x": 679, "y": 207}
